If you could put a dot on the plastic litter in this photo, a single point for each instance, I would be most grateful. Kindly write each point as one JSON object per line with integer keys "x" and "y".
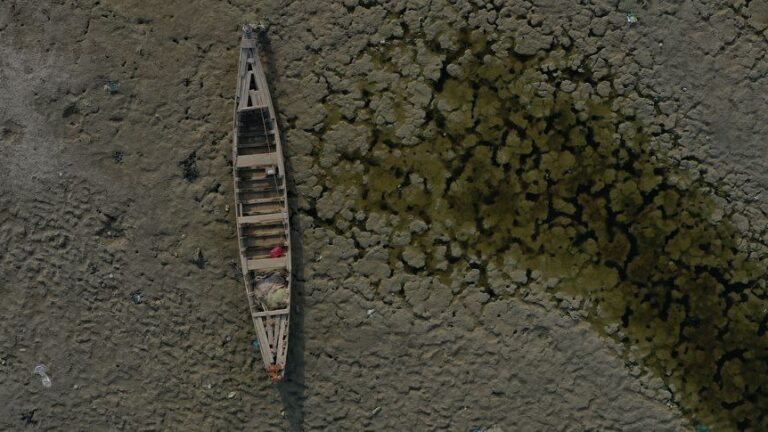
{"x": 631, "y": 18}
{"x": 117, "y": 156}
{"x": 42, "y": 370}
{"x": 276, "y": 252}
{"x": 703, "y": 428}
{"x": 247, "y": 31}
{"x": 272, "y": 291}
{"x": 198, "y": 259}
{"x": 112, "y": 86}
{"x": 136, "y": 297}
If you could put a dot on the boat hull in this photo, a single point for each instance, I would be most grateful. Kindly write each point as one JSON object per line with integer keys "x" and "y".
{"x": 261, "y": 208}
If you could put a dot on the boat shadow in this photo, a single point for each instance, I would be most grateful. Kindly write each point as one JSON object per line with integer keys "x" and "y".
{"x": 292, "y": 390}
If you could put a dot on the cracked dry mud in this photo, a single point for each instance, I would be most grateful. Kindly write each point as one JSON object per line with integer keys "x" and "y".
{"x": 527, "y": 215}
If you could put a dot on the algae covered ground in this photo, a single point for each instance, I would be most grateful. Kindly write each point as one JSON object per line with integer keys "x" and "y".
{"x": 508, "y": 215}
{"x": 521, "y": 158}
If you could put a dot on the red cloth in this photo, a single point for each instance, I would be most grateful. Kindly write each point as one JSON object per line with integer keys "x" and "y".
{"x": 276, "y": 252}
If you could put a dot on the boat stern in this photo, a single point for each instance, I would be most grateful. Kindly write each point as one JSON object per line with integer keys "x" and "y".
{"x": 275, "y": 372}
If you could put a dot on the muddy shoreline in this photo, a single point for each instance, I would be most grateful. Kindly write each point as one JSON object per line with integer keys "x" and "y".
{"x": 104, "y": 196}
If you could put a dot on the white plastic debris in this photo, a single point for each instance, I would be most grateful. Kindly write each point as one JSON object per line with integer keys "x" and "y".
{"x": 42, "y": 370}
{"x": 111, "y": 86}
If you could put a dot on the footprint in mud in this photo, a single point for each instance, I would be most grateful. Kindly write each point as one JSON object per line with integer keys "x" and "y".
{"x": 10, "y": 131}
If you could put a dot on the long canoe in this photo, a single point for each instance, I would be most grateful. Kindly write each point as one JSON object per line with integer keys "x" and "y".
{"x": 261, "y": 207}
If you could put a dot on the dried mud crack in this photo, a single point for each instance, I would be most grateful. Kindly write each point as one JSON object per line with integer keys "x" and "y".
{"x": 522, "y": 158}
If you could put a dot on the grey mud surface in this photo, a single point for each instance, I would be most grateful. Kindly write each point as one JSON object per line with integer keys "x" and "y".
{"x": 118, "y": 257}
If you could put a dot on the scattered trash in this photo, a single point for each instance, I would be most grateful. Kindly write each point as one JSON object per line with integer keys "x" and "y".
{"x": 112, "y": 86}
{"x": 29, "y": 417}
{"x": 271, "y": 290}
{"x": 256, "y": 346}
{"x": 703, "y": 428}
{"x": 199, "y": 260}
{"x": 376, "y": 411}
{"x": 117, "y": 156}
{"x": 631, "y": 17}
{"x": 227, "y": 339}
{"x": 370, "y": 312}
{"x": 136, "y": 297}
{"x": 276, "y": 252}
{"x": 231, "y": 395}
{"x": 247, "y": 31}
{"x": 42, "y": 370}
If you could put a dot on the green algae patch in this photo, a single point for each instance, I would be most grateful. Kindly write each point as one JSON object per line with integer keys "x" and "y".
{"x": 505, "y": 164}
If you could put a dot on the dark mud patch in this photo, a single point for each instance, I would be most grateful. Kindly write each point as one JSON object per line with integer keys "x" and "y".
{"x": 9, "y": 130}
{"x": 189, "y": 167}
{"x": 530, "y": 158}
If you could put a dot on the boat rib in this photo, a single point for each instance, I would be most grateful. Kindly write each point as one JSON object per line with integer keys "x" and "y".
{"x": 262, "y": 209}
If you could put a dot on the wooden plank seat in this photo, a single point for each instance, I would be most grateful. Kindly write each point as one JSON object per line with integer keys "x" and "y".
{"x": 256, "y": 160}
{"x": 259, "y": 209}
{"x": 270, "y": 200}
{"x": 263, "y": 243}
{"x": 260, "y": 184}
{"x": 247, "y": 196}
{"x": 267, "y": 264}
{"x": 270, "y": 217}
{"x": 268, "y": 230}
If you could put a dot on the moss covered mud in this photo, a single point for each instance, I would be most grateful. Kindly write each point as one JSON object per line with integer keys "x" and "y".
{"x": 527, "y": 160}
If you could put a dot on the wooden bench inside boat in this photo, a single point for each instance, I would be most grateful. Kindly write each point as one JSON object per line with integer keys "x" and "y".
{"x": 257, "y": 160}
{"x": 267, "y": 264}
{"x": 271, "y": 217}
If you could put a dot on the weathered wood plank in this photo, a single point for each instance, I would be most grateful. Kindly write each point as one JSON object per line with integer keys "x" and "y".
{"x": 282, "y": 340}
{"x": 256, "y": 160}
{"x": 271, "y": 217}
{"x": 267, "y": 264}
{"x": 266, "y": 353}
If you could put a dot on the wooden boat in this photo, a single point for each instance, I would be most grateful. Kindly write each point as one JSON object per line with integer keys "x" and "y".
{"x": 262, "y": 209}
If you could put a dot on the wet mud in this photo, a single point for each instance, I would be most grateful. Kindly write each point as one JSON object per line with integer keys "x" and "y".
{"x": 508, "y": 215}
{"x": 522, "y": 159}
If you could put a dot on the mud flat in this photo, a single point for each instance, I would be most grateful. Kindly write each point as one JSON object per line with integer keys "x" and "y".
{"x": 469, "y": 260}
